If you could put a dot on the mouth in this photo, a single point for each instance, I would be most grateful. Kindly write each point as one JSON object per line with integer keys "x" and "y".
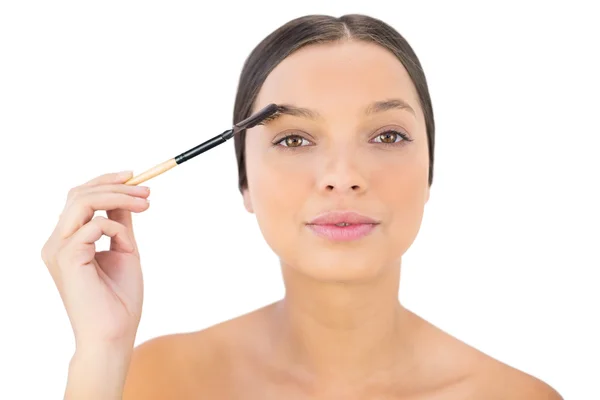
{"x": 342, "y": 225}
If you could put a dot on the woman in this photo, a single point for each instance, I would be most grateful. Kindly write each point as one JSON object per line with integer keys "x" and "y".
{"x": 354, "y": 146}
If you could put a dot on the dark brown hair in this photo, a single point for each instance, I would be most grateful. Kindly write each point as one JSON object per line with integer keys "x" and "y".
{"x": 316, "y": 29}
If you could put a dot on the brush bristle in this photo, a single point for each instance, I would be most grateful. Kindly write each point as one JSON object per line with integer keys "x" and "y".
{"x": 269, "y": 118}
{"x": 266, "y": 114}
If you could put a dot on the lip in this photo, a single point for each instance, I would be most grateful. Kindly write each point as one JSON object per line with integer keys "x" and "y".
{"x": 336, "y": 217}
{"x": 359, "y": 225}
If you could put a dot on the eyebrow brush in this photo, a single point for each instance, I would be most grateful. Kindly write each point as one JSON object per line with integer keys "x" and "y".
{"x": 255, "y": 119}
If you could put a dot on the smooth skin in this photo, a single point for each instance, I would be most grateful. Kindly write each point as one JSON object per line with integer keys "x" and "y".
{"x": 340, "y": 331}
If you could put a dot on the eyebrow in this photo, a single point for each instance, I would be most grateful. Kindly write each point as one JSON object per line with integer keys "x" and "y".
{"x": 376, "y": 107}
{"x": 391, "y": 104}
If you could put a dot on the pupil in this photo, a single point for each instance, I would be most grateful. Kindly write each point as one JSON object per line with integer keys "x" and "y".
{"x": 388, "y": 137}
{"x": 291, "y": 140}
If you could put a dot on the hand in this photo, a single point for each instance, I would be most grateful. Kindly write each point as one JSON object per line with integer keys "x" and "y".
{"x": 102, "y": 291}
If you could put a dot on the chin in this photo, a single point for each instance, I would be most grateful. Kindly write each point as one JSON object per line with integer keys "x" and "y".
{"x": 340, "y": 265}
{"x": 355, "y": 261}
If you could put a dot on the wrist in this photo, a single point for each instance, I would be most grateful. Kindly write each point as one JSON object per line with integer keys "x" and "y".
{"x": 103, "y": 350}
{"x": 98, "y": 372}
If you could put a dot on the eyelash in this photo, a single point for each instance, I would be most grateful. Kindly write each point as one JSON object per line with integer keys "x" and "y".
{"x": 405, "y": 138}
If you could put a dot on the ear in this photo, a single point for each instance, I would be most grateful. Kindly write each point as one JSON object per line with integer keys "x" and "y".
{"x": 427, "y": 194}
{"x": 247, "y": 201}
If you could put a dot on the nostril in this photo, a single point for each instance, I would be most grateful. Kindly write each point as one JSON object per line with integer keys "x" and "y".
{"x": 353, "y": 187}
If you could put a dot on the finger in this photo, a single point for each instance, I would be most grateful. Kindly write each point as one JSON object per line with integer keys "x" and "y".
{"x": 137, "y": 191}
{"x": 74, "y": 253}
{"x": 124, "y": 218}
{"x": 80, "y": 250}
{"x": 120, "y": 215}
{"x": 81, "y": 210}
{"x": 141, "y": 191}
{"x": 99, "y": 226}
{"x": 114, "y": 177}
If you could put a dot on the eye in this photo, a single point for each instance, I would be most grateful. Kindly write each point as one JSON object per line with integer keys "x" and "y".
{"x": 291, "y": 141}
{"x": 391, "y": 136}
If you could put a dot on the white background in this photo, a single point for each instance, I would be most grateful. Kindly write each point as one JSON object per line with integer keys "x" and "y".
{"x": 507, "y": 258}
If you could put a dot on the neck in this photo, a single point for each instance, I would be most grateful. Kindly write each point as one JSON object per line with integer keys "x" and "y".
{"x": 340, "y": 330}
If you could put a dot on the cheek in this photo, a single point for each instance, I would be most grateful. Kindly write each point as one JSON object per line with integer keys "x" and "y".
{"x": 279, "y": 189}
{"x": 402, "y": 187}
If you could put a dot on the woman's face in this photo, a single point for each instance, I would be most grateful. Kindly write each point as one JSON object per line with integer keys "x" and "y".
{"x": 346, "y": 153}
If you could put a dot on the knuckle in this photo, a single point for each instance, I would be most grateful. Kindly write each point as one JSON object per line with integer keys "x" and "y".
{"x": 77, "y": 196}
{"x": 48, "y": 253}
{"x": 99, "y": 222}
{"x": 82, "y": 203}
{"x": 73, "y": 192}
{"x": 44, "y": 253}
{"x": 75, "y": 199}
{"x": 106, "y": 224}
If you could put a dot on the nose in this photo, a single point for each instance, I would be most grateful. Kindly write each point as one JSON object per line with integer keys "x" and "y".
{"x": 342, "y": 174}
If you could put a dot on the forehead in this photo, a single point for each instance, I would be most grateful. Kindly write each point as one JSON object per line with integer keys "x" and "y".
{"x": 346, "y": 75}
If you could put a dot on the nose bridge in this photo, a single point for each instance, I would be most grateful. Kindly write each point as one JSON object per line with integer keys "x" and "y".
{"x": 341, "y": 168}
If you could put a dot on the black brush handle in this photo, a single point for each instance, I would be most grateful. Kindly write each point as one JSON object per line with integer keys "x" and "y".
{"x": 201, "y": 148}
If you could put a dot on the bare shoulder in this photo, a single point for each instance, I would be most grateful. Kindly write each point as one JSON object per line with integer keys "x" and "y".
{"x": 493, "y": 379}
{"x": 470, "y": 373}
{"x": 502, "y": 381}
{"x": 170, "y": 366}
{"x": 188, "y": 365}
